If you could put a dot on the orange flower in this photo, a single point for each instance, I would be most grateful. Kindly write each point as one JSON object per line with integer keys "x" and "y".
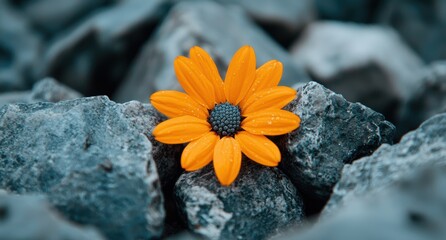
{"x": 223, "y": 119}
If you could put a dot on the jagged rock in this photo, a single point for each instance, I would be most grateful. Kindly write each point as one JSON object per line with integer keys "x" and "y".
{"x": 30, "y": 217}
{"x": 388, "y": 164}
{"x": 367, "y": 64}
{"x": 46, "y": 90}
{"x": 94, "y": 56}
{"x": 428, "y": 100}
{"x": 333, "y": 132}
{"x": 188, "y": 24}
{"x": 258, "y": 204}
{"x": 19, "y": 50}
{"x": 420, "y": 23}
{"x": 91, "y": 161}
{"x": 413, "y": 209}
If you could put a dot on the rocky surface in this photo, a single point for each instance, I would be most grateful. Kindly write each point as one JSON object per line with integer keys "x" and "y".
{"x": 30, "y": 217}
{"x": 46, "y": 90}
{"x": 420, "y": 23}
{"x": 89, "y": 159}
{"x": 412, "y": 209}
{"x": 187, "y": 25}
{"x": 388, "y": 164}
{"x": 94, "y": 56}
{"x": 333, "y": 132}
{"x": 428, "y": 100}
{"x": 259, "y": 203}
{"x": 367, "y": 64}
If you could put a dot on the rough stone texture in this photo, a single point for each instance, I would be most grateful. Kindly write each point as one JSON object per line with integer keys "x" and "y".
{"x": 333, "y": 132}
{"x": 30, "y": 217}
{"x": 259, "y": 203}
{"x": 94, "y": 56}
{"x": 46, "y": 90}
{"x": 367, "y": 64}
{"x": 425, "y": 146}
{"x": 428, "y": 100}
{"x": 89, "y": 159}
{"x": 19, "y": 50}
{"x": 187, "y": 25}
{"x": 421, "y": 23}
{"x": 413, "y": 209}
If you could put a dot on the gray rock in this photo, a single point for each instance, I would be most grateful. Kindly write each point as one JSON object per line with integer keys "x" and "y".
{"x": 388, "y": 164}
{"x": 282, "y": 20}
{"x": 413, "y": 209}
{"x": 49, "y": 90}
{"x": 258, "y": 204}
{"x": 187, "y": 25}
{"x": 333, "y": 132}
{"x": 420, "y": 23}
{"x": 46, "y": 90}
{"x": 30, "y": 217}
{"x": 167, "y": 158}
{"x": 94, "y": 56}
{"x": 89, "y": 159}
{"x": 19, "y": 50}
{"x": 428, "y": 100}
{"x": 367, "y": 64}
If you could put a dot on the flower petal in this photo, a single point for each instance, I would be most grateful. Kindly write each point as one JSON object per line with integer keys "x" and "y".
{"x": 268, "y": 75}
{"x": 181, "y": 130}
{"x": 240, "y": 75}
{"x": 258, "y": 148}
{"x": 271, "y": 122}
{"x": 227, "y": 160}
{"x": 209, "y": 69}
{"x": 275, "y": 97}
{"x": 199, "y": 152}
{"x": 176, "y": 104}
{"x": 194, "y": 82}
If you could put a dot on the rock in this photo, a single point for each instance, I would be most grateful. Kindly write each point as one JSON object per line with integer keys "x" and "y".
{"x": 19, "y": 50}
{"x": 258, "y": 204}
{"x": 428, "y": 100}
{"x": 52, "y": 16}
{"x": 49, "y": 90}
{"x": 388, "y": 164}
{"x": 333, "y": 133}
{"x": 187, "y": 25}
{"x": 46, "y": 90}
{"x": 167, "y": 158}
{"x": 283, "y": 21}
{"x": 90, "y": 160}
{"x": 420, "y": 23}
{"x": 30, "y": 217}
{"x": 413, "y": 209}
{"x": 367, "y": 64}
{"x": 347, "y": 10}
{"x": 93, "y": 57}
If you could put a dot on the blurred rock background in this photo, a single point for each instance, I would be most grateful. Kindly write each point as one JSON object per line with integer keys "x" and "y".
{"x": 386, "y": 59}
{"x": 381, "y": 53}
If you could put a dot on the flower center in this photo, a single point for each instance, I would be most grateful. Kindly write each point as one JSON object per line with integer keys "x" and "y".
{"x": 225, "y": 119}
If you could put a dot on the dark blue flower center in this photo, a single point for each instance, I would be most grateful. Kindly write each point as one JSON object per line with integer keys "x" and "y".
{"x": 225, "y": 119}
